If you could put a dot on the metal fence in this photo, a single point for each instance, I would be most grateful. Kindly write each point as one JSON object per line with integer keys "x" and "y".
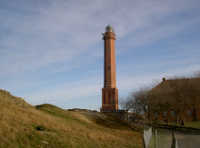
{"x": 170, "y": 138}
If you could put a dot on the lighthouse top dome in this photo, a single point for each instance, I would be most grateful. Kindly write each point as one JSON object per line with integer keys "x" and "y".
{"x": 109, "y": 29}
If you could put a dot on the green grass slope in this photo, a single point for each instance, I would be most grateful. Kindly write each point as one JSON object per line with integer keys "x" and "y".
{"x": 47, "y": 126}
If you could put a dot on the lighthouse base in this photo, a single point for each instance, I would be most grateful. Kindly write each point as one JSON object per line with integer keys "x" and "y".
{"x": 109, "y": 100}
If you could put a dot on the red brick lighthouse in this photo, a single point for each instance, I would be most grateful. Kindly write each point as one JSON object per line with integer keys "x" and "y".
{"x": 109, "y": 91}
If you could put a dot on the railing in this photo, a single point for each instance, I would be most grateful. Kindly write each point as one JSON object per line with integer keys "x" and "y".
{"x": 165, "y": 136}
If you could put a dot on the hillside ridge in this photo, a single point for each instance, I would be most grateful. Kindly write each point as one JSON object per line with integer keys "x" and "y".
{"x": 26, "y": 126}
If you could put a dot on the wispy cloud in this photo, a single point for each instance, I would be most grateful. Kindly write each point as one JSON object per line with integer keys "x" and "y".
{"x": 48, "y": 37}
{"x": 91, "y": 87}
{"x": 65, "y": 29}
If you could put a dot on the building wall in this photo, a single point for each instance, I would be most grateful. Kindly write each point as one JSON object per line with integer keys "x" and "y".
{"x": 170, "y": 116}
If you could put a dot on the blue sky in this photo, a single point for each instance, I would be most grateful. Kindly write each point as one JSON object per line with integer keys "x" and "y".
{"x": 52, "y": 51}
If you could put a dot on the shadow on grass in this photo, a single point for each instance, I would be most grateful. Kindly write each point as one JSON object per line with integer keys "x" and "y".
{"x": 107, "y": 120}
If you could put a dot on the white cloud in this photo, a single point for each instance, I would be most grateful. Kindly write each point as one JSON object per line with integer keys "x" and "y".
{"x": 67, "y": 91}
{"x": 61, "y": 35}
{"x": 66, "y": 29}
{"x": 91, "y": 87}
{"x": 134, "y": 82}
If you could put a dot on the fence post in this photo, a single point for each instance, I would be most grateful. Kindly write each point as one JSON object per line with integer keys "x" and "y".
{"x": 173, "y": 140}
{"x": 154, "y": 134}
{"x": 156, "y": 138}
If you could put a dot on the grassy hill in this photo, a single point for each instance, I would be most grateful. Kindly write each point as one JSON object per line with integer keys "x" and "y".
{"x": 25, "y": 126}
